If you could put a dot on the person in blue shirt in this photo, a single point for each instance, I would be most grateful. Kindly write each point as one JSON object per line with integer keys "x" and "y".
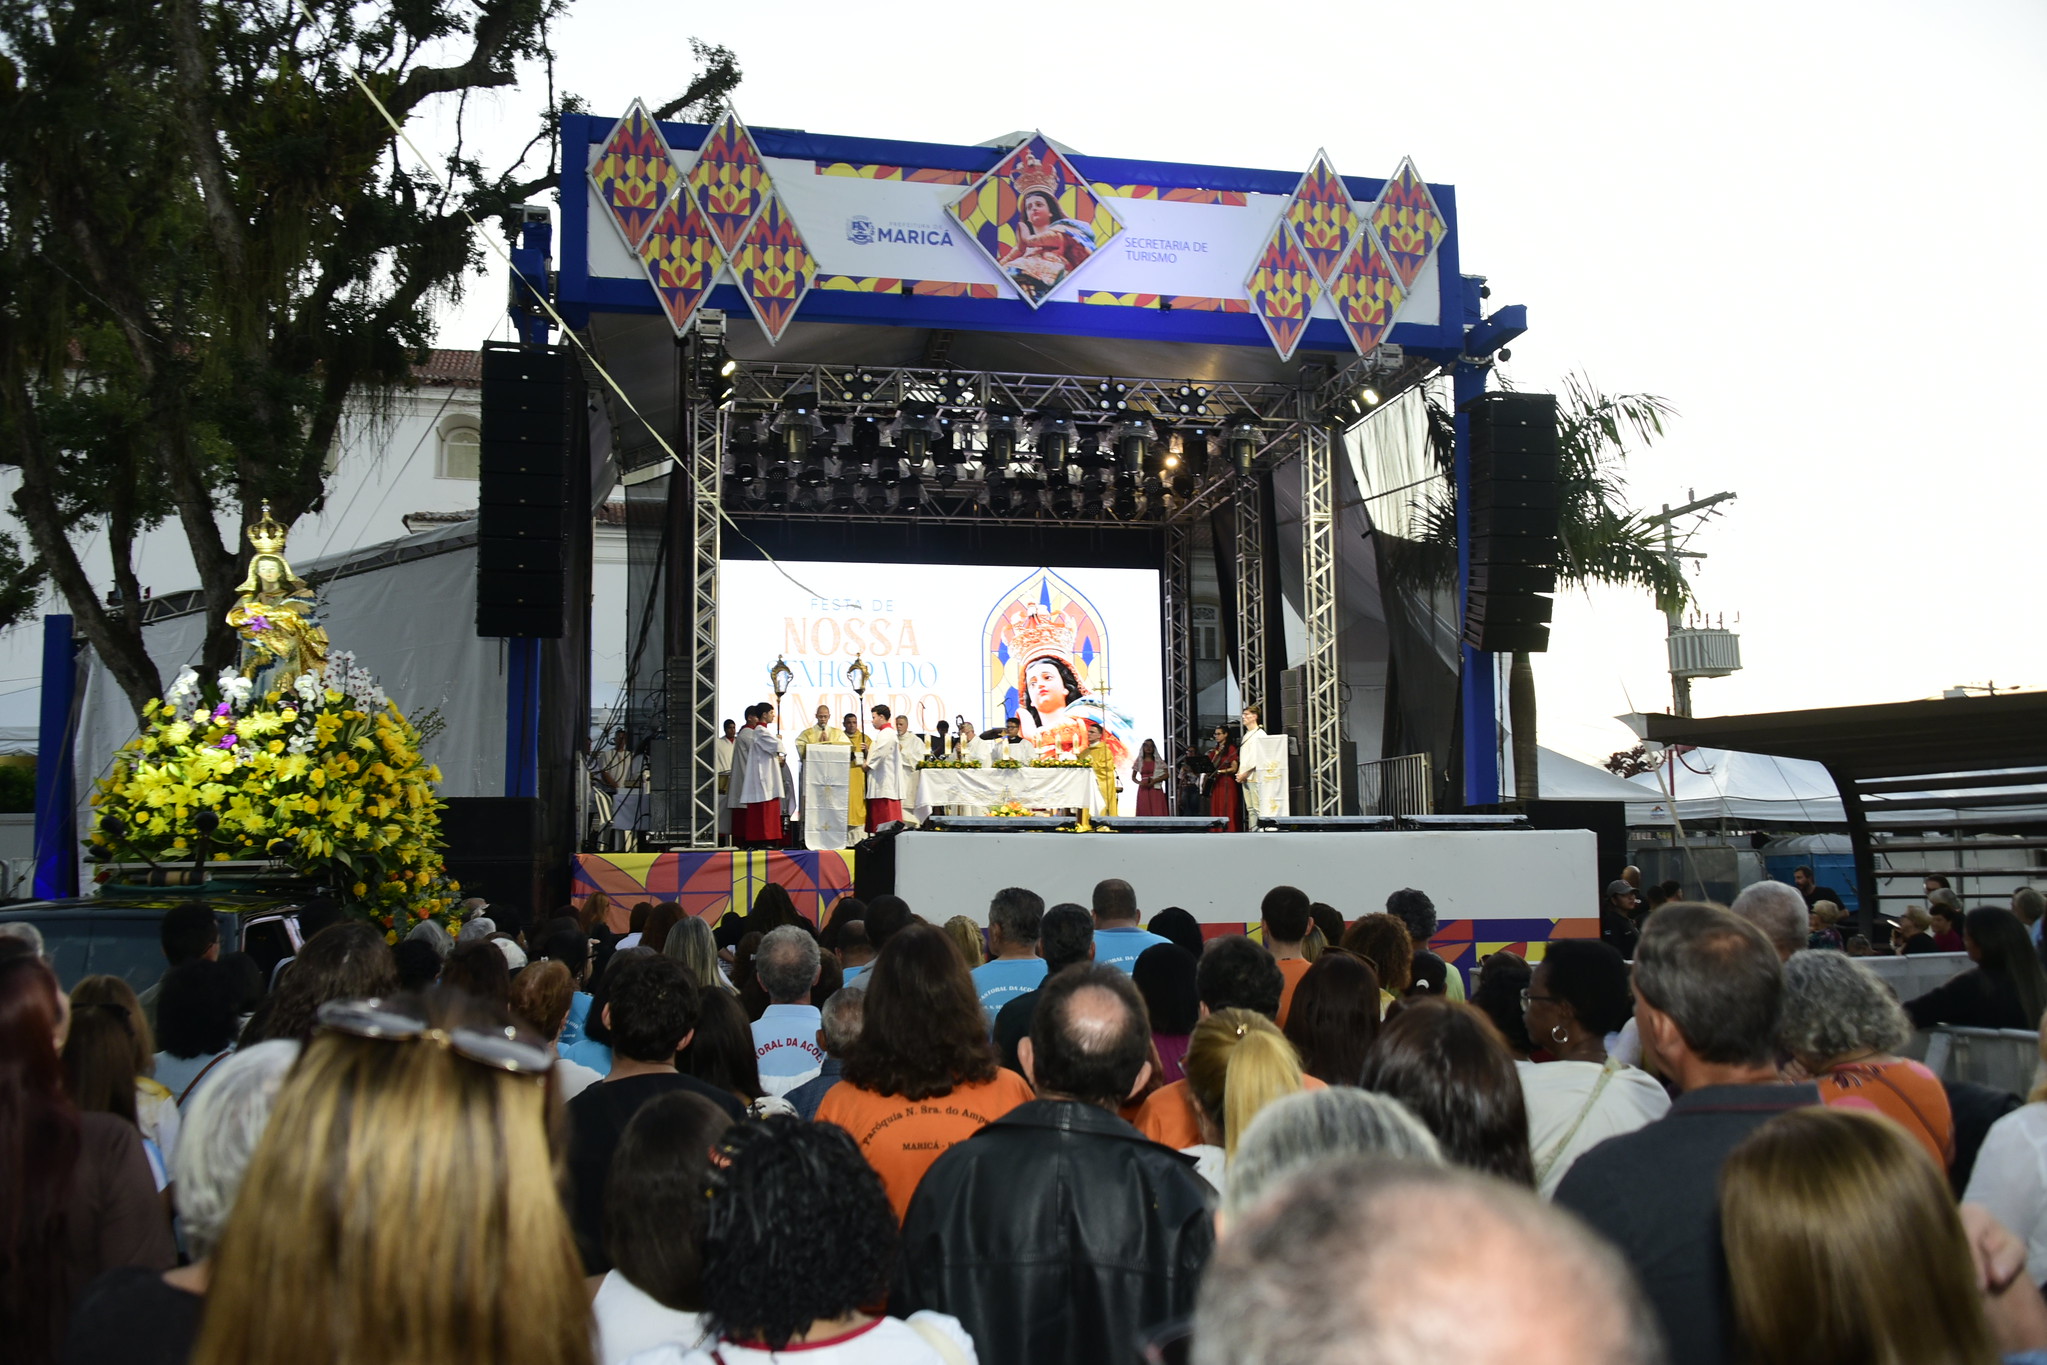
{"x": 1118, "y": 939}
{"x": 1015, "y": 968}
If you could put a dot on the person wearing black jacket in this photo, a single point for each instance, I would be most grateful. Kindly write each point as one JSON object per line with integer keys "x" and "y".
{"x": 1059, "y": 1232}
{"x": 2006, "y": 989}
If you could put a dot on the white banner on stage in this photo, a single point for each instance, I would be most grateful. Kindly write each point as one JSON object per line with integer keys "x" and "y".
{"x": 827, "y": 788}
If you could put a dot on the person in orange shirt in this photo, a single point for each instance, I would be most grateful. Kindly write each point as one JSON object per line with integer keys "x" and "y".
{"x": 1285, "y": 917}
{"x": 923, "y": 1074}
{"x": 1235, "y": 973}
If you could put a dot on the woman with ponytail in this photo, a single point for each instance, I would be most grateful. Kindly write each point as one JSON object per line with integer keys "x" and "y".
{"x": 1237, "y": 1063}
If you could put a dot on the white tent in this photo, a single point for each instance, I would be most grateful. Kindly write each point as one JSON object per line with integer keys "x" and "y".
{"x": 1712, "y": 785}
{"x": 1566, "y": 779}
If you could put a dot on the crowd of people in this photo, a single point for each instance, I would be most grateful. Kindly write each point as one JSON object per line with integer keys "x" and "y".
{"x": 1083, "y": 1133}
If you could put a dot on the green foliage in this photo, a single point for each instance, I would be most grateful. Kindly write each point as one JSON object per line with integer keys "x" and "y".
{"x": 210, "y": 240}
{"x": 17, "y": 790}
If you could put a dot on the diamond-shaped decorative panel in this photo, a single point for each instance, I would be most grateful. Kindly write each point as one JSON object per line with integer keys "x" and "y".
{"x": 1036, "y": 217}
{"x": 1283, "y": 289}
{"x": 635, "y": 175}
{"x": 1365, "y": 293}
{"x": 1323, "y": 219}
{"x": 681, "y": 258}
{"x": 774, "y": 268}
{"x": 729, "y": 182}
{"x": 1409, "y": 224}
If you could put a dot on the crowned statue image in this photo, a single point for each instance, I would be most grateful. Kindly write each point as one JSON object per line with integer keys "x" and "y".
{"x": 298, "y": 756}
{"x": 281, "y": 636}
{"x": 1049, "y": 246}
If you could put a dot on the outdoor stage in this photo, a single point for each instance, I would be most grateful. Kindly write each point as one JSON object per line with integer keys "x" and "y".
{"x": 1493, "y": 889}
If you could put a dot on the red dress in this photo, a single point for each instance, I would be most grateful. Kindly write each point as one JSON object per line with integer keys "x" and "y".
{"x": 1222, "y": 795}
{"x": 1150, "y": 800}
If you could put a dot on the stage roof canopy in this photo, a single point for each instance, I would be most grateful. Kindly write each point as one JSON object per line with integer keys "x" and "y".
{"x": 1899, "y": 739}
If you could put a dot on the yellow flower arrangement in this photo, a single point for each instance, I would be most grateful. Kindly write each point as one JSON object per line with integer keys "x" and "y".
{"x": 286, "y": 784}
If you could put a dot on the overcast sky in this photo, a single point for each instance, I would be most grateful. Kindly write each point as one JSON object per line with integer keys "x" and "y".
{"x": 1815, "y": 228}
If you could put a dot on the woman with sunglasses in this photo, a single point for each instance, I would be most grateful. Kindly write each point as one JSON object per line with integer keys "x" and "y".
{"x": 402, "y": 1204}
{"x": 1578, "y": 995}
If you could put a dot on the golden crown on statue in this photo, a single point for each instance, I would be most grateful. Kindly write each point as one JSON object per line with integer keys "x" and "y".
{"x": 267, "y": 536}
{"x": 1033, "y": 174}
{"x": 1037, "y": 633}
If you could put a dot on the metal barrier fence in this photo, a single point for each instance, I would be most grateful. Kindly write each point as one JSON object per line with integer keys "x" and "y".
{"x": 1396, "y": 786}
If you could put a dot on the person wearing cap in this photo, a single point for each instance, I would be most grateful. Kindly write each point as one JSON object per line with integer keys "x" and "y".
{"x": 1912, "y": 931}
{"x": 1617, "y": 918}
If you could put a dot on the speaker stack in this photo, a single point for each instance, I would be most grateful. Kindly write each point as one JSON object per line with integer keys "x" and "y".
{"x": 525, "y": 512}
{"x": 1515, "y": 471}
{"x": 494, "y": 849}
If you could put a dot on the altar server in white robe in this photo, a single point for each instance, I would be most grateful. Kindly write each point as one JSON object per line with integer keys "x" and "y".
{"x": 1007, "y": 743}
{"x": 913, "y": 749}
{"x": 888, "y": 777}
{"x": 725, "y": 744}
{"x": 1261, "y": 769}
{"x": 757, "y": 782}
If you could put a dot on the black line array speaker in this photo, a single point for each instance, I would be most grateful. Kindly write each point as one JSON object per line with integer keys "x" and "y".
{"x": 1515, "y": 471}
{"x": 532, "y": 416}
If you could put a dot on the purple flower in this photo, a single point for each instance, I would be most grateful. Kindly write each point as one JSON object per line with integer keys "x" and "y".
{"x": 222, "y": 711}
{"x": 226, "y": 742}
{"x": 259, "y": 622}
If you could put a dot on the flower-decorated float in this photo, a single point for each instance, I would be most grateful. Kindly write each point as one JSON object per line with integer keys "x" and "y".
{"x": 294, "y": 763}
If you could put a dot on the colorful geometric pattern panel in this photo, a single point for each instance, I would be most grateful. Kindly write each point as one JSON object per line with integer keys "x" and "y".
{"x": 635, "y": 175}
{"x": 709, "y": 884}
{"x": 1323, "y": 219}
{"x": 1365, "y": 293}
{"x": 729, "y": 182}
{"x": 1036, "y": 218}
{"x": 1409, "y": 224}
{"x": 681, "y": 258}
{"x": 1283, "y": 290}
{"x": 1466, "y": 942}
{"x": 774, "y": 268}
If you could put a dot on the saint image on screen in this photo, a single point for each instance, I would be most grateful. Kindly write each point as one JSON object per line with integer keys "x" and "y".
{"x": 1048, "y": 246}
{"x": 1054, "y": 705}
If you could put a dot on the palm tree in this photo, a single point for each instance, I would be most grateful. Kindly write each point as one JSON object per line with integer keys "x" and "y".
{"x": 1601, "y": 539}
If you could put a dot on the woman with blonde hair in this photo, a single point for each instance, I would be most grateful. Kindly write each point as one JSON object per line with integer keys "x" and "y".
{"x": 1814, "y": 1199}
{"x": 1237, "y": 1062}
{"x": 691, "y": 943}
{"x": 966, "y": 936}
{"x": 402, "y": 1203}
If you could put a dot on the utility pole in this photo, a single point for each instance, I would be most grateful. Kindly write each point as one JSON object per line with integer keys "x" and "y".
{"x": 1689, "y": 650}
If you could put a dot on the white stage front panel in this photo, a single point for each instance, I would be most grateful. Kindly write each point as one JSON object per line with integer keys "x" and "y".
{"x": 1220, "y": 878}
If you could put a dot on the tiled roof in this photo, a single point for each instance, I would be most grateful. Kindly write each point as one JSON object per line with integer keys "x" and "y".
{"x": 450, "y": 369}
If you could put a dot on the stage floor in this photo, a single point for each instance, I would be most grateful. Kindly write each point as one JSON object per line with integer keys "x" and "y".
{"x": 1493, "y": 889}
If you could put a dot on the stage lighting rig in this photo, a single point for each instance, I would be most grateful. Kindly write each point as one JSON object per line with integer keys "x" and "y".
{"x": 910, "y": 493}
{"x": 1126, "y": 503}
{"x": 844, "y": 496}
{"x": 1112, "y": 396}
{"x": 956, "y": 390}
{"x": 1243, "y": 435}
{"x": 777, "y": 493}
{"x": 1190, "y": 399}
{"x": 1065, "y": 500}
{"x": 1001, "y": 425}
{"x": 865, "y": 386}
{"x": 1001, "y": 495}
{"x": 863, "y": 433}
{"x": 746, "y": 451}
{"x": 916, "y": 424}
{"x": 1055, "y": 435}
{"x": 1132, "y": 439}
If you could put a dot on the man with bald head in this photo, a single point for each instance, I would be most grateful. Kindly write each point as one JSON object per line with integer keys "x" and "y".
{"x": 1347, "y": 1262}
{"x": 1060, "y": 1232}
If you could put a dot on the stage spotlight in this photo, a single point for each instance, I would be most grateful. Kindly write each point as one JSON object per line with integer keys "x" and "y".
{"x": 956, "y": 390}
{"x": 916, "y": 424}
{"x": 865, "y": 434}
{"x": 1369, "y": 396}
{"x": 735, "y": 491}
{"x": 1055, "y": 435}
{"x": 1091, "y": 501}
{"x": 864, "y": 386}
{"x": 1132, "y": 439}
{"x": 1002, "y": 423}
{"x": 888, "y": 471}
{"x": 948, "y": 474}
{"x": 1194, "y": 449}
{"x": 1001, "y": 497}
{"x": 746, "y": 452}
{"x": 729, "y": 368}
{"x": 910, "y": 494}
{"x": 844, "y": 498}
{"x": 1111, "y": 396}
{"x": 1092, "y": 482}
{"x": 1065, "y": 500}
{"x": 1243, "y": 432}
{"x": 1189, "y": 399}
{"x": 777, "y": 492}
{"x": 1126, "y": 503}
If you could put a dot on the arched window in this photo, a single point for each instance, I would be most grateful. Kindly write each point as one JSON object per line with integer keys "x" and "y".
{"x": 461, "y": 448}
